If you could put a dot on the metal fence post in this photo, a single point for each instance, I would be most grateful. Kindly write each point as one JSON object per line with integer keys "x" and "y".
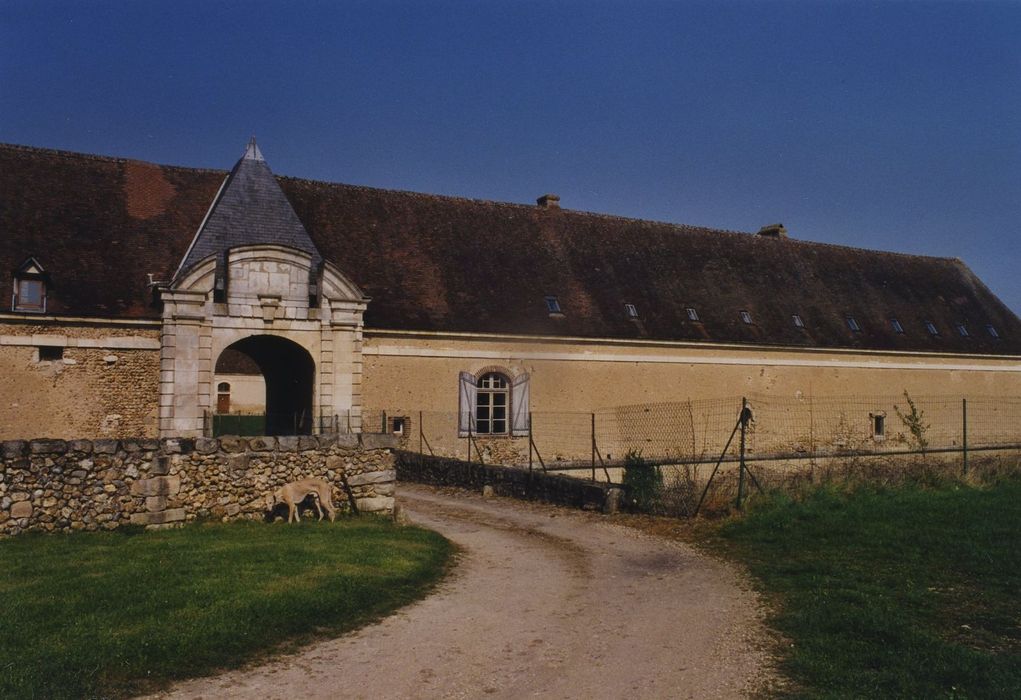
{"x": 964, "y": 421}
{"x": 593, "y": 447}
{"x": 740, "y": 469}
{"x": 421, "y": 433}
{"x": 529, "y": 442}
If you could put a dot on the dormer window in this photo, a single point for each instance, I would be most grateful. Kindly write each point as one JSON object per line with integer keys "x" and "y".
{"x": 746, "y": 317}
{"x": 993, "y": 332}
{"x": 553, "y": 305}
{"x": 963, "y": 330}
{"x": 798, "y": 321}
{"x": 631, "y": 310}
{"x": 896, "y": 325}
{"x": 931, "y": 327}
{"x": 692, "y": 314}
{"x": 29, "y": 288}
{"x": 852, "y": 323}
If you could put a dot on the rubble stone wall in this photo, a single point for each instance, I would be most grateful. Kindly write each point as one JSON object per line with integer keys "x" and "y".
{"x": 65, "y": 485}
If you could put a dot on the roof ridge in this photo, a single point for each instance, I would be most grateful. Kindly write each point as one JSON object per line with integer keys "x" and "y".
{"x": 689, "y": 228}
{"x": 80, "y": 155}
{"x": 696, "y": 228}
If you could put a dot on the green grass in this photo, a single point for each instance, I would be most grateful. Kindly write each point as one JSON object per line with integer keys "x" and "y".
{"x": 112, "y": 613}
{"x": 905, "y": 592}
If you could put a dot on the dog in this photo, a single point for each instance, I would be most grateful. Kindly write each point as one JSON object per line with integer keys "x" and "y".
{"x": 295, "y": 492}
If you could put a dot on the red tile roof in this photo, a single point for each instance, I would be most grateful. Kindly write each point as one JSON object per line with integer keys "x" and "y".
{"x": 435, "y": 263}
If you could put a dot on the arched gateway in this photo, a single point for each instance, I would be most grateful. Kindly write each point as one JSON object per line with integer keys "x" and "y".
{"x": 253, "y": 283}
{"x": 273, "y": 380}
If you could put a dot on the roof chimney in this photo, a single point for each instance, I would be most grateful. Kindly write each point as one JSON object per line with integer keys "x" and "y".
{"x": 773, "y": 231}
{"x": 549, "y": 201}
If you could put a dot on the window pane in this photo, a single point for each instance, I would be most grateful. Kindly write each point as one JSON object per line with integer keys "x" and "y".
{"x": 499, "y": 413}
{"x": 499, "y": 426}
{"x": 482, "y": 427}
{"x": 482, "y": 412}
{"x": 30, "y": 293}
{"x": 499, "y": 399}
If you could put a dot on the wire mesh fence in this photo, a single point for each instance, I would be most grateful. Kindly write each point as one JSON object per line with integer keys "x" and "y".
{"x": 702, "y": 432}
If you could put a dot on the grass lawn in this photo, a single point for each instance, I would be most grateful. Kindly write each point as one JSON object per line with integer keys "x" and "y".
{"x": 908, "y": 592}
{"x": 108, "y": 614}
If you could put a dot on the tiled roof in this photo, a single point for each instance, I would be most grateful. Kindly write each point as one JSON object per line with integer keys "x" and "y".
{"x": 432, "y": 263}
{"x": 249, "y": 209}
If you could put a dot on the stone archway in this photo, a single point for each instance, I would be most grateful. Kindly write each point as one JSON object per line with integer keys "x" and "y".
{"x": 288, "y": 380}
{"x": 300, "y": 323}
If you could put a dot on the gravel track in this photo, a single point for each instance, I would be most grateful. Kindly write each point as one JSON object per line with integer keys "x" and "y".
{"x": 545, "y": 602}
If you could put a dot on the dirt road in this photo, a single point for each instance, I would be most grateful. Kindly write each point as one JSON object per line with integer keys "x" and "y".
{"x": 546, "y": 602}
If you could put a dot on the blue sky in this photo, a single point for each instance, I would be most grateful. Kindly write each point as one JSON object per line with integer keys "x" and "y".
{"x": 882, "y": 125}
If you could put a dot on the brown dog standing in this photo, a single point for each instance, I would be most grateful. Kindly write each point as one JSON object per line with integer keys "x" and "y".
{"x": 295, "y": 492}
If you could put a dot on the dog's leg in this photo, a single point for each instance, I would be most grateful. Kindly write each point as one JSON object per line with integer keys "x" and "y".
{"x": 328, "y": 503}
{"x": 315, "y": 499}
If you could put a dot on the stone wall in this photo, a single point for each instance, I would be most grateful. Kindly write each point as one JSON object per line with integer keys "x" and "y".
{"x": 507, "y": 481}
{"x": 105, "y": 384}
{"x": 58, "y": 485}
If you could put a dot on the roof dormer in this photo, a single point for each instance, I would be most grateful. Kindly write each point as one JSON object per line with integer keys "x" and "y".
{"x": 30, "y": 283}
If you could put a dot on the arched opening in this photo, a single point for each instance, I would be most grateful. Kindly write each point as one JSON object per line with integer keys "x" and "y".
{"x": 287, "y": 373}
{"x": 223, "y": 397}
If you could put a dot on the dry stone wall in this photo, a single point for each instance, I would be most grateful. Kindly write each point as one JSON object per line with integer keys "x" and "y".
{"x": 65, "y": 485}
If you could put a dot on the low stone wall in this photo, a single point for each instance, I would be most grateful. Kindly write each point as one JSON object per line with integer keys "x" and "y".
{"x": 64, "y": 485}
{"x": 507, "y": 481}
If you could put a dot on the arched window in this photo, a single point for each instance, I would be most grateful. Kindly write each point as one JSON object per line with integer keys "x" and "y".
{"x": 493, "y": 404}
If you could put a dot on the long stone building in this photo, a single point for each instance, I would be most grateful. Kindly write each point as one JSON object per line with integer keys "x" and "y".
{"x": 151, "y": 300}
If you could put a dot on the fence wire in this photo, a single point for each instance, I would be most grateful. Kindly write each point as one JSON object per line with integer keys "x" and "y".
{"x": 696, "y": 432}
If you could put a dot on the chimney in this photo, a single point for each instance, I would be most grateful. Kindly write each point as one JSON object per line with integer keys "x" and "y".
{"x": 773, "y": 231}
{"x": 549, "y": 201}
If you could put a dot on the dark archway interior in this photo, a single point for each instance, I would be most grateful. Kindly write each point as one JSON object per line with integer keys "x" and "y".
{"x": 289, "y": 373}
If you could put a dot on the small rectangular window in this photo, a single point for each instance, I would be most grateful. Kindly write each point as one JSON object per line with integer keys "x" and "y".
{"x": 50, "y": 353}
{"x": 992, "y": 331}
{"x": 798, "y": 323}
{"x": 31, "y": 296}
{"x": 897, "y": 327}
{"x": 553, "y": 305}
{"x": 746, "y": 317}
{"x": 931, "y": 327}
{"x": 398, "y": 425}
{"x": 963, "y": 330}
{"x": 879, "y": 426}
{"x": 852, "y": 323}
{"x": 692, "y": 314}
{"x": 631, "y": 310}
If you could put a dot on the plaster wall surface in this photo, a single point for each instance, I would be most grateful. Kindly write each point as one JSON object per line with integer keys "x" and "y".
{"x": 410, "y": 372}
{"x": 418, "y": 376}
{"x": 247, "y": 392}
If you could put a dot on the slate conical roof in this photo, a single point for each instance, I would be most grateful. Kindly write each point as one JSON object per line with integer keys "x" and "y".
{"x": 250, "y": 209}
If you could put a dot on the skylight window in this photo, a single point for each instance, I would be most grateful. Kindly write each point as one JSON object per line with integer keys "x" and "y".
{"x": 931, "y": 327}
{"x": 992, "y": 331}
{"x": 631, "y": 310}
{"x": 852, "y": 323}
{"x": 963, "y": 330}
{"x": 692, "y": 314}
{"x": 746, "y": 317}
{"x": 798, "y": 322}
{"x": 897, "y": 327}
{"x": 553, "y": 305}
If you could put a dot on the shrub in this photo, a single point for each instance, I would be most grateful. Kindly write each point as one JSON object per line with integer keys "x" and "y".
{"x": 642, "y": 482}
